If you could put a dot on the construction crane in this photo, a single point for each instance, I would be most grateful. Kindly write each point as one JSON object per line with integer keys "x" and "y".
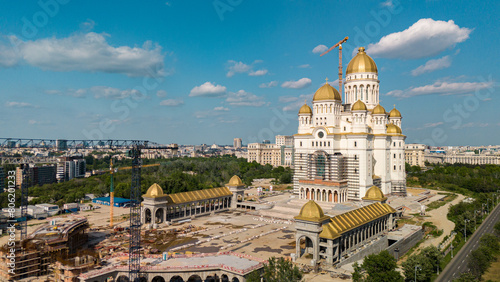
{"x": 134, "y": 146}
{"x": 112, "y": 188}
{"x": 340, "y": 61}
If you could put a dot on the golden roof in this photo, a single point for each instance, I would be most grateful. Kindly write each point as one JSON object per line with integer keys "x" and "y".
{"x": 378, "y": 110}
{"x": 374, "y": 194}
{"x": 193, "y": 196}
{"x": 393, "y": 129}
{"x": 154, "y": 191}
{"x": 305, "y": 109}
{"x": 361, "y": 63}
{"x": 344, "y": 222}
{"x": 327, "y": 92}
{"x": 394, "y": 113}
{"x": 235, "y": 181}
{"x": 311, "y": 212}
{"x": 359, "y": 106}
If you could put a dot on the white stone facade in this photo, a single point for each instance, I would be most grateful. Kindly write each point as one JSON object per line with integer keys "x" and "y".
{"x": 345, "y": 148}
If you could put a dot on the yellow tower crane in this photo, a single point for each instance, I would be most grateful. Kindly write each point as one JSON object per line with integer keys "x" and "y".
{"x": 340, "y": 60}
{"x": 112, "y": 188}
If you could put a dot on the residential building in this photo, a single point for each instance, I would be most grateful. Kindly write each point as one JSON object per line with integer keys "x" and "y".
{"x": 415, "y": 154}
{"x": 237, "y": 143}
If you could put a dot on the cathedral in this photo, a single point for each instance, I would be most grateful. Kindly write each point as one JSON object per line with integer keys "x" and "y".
{"x": 345, "y": 147}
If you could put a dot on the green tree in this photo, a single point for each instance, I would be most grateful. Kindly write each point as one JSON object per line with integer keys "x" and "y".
{"x": 281, "y": 270}
{"x": 480, "y": 261}
{"x": 465, "y": 277}
{"x": 490, "y": 241}
{"x": 378, "y": 268}
{"x": 426, "y": 262}
{"x": 254, "y": 276}
{"x": 497, "y": 228}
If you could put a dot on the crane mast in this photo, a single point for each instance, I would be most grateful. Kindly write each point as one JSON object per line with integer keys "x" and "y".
{"x": 339, "y": 44}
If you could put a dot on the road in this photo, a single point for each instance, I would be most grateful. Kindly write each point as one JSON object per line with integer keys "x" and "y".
{"x": 459, "y": 262}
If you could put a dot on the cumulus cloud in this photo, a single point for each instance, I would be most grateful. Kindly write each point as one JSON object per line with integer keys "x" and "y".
{"x": 208, "y": 89}
{"x": 171, "y": 102}
{"x": 432, "y": 65}
{"x": 301, "y": 83}
{"x": 87, "y": 52}
{"x": 442, "y": 88}
{"x": 243, "y": 98}
{"x": 269, "y": 84}
{"x": 240, "y": 67}
{"x": 161, "y": 93}
{"x": 221, "y": 109}
{"x": 14, "y": 104}
{"x": 258, "y": 72}
{"x": 424, "y": 38}
{"x": 320, "y": 49}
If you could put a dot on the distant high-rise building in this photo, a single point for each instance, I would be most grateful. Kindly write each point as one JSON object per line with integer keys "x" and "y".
{"x": 279, "y": 154}
{"x": 36, "y": 175}
{"x": 237, "y": 143}
{"x": 70, "y": 167}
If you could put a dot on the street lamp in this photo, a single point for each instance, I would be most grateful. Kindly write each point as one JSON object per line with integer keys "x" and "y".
{"x": 465, "y": 229}
{"x": 451, "y": 246}
{"x": 475, "y": 216}
{"x": 437, "y": 261}
{"x": 488, "y": 205}
{"x": 419, "y": 268}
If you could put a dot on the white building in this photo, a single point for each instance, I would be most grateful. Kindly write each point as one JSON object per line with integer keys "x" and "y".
{"x": 343, "y": 148}
{"x": 414, "y": 154}
{"x": 237, "y": 143}
{"x": 279, "y": 154}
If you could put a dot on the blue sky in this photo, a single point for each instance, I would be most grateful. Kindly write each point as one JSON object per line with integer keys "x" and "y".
{"x": 194, "y": 72}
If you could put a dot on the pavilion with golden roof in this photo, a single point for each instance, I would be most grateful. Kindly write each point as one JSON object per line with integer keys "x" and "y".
{"x": 331, "y": 238}
{"x": 159, "y": 207}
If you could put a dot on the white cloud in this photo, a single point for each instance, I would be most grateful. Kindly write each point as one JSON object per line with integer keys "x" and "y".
{"x": 320, "y": 49}
{"x": 240, "y": 67}
{"x": 433, "y": 124}
{"x": 87, "y": 52}
{"x": 301, "y": 83}
{"x": 161, "y": 93}
{"x": 79, "y": 93}
{"x": 88, "y": 25}
{"x": 208, "y": 89}
{"x": 14, "y": 104}
{"x": 269, "y": 84}
{"x": 432, "y": 65}
{"x": 387, "y": 3}
{"x": 8, "y": 57}
{"x": 305, "y": 66}
{"x": 242, "y": 98}
{"x": 424, "y": 38}
{"x": 258, "y": 72}
{"x": 474, "y": 124}
{"x": 171, "y": 102}
{"x": 288, "y": 99}
{"x": 113, "y": 93}
{"x": 442, "y": 88}
{"x": 221, "y": 109}
{"x": 237, "y": 67}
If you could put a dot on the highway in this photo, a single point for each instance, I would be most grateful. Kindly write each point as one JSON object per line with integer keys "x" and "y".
{"x": 459, "y": 262}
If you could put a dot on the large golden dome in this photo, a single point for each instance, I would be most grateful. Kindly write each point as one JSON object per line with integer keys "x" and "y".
{"x": 379, "y": 110}
{"x": 394, "y": 113}
{"x": 327, "y": 92}
{"x": 235, "y": 181}
{"x": 361, "y": 63}
{"x": 305, "y": 109}
{"x": 374, "y": 194}
{"x": 393, "y": 129}
{"x": 154, "y": 191}
{"x": 359, "y": 106}
{"x": 311, "y": 212}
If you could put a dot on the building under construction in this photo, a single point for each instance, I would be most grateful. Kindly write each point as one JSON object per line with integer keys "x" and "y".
{"x": 59, "y": 238}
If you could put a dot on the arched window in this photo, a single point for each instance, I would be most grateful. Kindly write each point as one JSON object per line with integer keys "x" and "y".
{"x": 361, "y": 90}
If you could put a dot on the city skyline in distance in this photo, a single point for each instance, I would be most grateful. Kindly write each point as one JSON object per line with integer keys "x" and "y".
{"x": 190, "y": 76}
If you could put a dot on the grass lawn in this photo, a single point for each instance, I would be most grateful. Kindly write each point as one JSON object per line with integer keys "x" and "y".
{"x": 493, "y": 273}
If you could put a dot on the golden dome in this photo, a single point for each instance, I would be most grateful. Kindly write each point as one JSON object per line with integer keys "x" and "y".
{"x": 305, "y": 109}
{"x": 235, "y": 181}
{"x": 359, "y": 106}
{"x": 379, "y": 110}
{"x": 311, "y": 212}
{"x": 394, "y": 113}
{"x": 154, "y": 191}
{"x": 327, "y": 92}
{"x": 361, "y": 63}
{"x": 374, "y": 194}
{"x": 393, "y": 129}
